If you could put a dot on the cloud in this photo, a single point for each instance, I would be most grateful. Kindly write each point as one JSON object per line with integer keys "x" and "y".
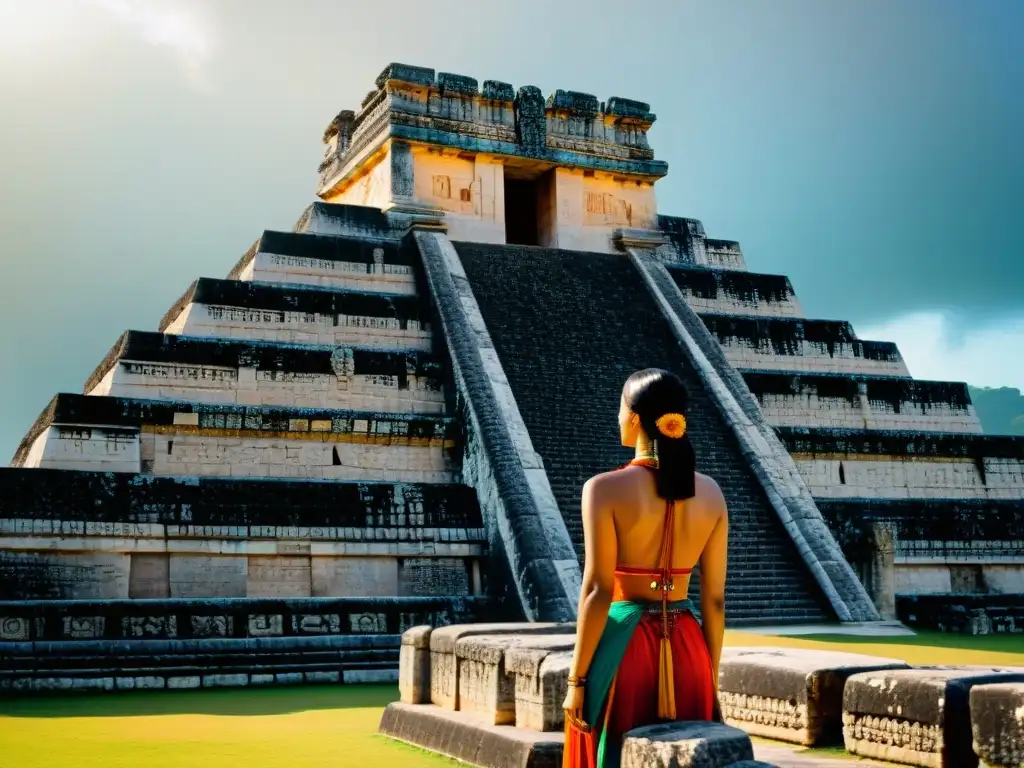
{"x": 936, "y": 348}
{"x": 167, "y": 24}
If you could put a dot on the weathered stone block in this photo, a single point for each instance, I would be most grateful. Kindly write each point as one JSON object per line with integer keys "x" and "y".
{"x": 444, "y": 666}
{"x": 483, "y": 685}
{"x": 414, "y": 666}
{"x": 789, "y": 694}
{"x": 541, "y": 678}
{"x": 470, "y": 740}
{"x": 916, "y": 716}
{"x": 685, "y": 745}
{"x": 997, "y": 724}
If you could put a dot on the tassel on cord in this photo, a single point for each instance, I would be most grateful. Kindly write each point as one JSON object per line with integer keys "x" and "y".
{"x": 666, "y": 684}
{"x": 666, "y": 676}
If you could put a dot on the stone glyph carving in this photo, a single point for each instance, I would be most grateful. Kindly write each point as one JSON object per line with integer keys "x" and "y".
{"x": 788, "y": 694}
{"x": 916, "y": 716}
{"x": 997, "y": 724}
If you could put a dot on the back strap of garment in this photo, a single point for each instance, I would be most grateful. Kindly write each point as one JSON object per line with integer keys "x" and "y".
{"x": 666, "y": 677}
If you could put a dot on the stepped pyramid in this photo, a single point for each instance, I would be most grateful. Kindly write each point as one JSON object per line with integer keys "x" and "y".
{"x": 385, "y": 417}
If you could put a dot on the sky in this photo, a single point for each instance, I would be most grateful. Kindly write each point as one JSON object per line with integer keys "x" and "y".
{"x": 871, "y": 151}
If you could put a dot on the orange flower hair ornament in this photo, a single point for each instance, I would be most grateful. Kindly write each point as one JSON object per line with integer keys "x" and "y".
{"x": 672, "y": 425}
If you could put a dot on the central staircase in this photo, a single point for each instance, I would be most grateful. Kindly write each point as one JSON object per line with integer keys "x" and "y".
{"x": 569, "y": 328}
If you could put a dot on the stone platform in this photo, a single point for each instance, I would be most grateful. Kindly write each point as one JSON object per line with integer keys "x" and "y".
{"x": 106, "y": 645}
{"x": 491, "y": 695}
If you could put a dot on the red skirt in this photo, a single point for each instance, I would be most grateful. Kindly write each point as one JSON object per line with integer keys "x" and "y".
{"x": 633, "y": 697}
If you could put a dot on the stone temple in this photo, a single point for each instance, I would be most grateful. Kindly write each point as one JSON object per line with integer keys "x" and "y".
{"x": 384, "y": 418}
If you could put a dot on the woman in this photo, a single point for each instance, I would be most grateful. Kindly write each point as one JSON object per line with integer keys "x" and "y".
{"x": 641, "y": 657}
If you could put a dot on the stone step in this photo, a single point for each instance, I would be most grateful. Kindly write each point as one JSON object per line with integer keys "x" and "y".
{"x": 328, "y": 261}
{"x": 232, "y": 371}
{"x": 579, "y": 324}
{"x": 800, "y": 345}
{"x": 163, "y": 437}
{"x": 300, "y": 314}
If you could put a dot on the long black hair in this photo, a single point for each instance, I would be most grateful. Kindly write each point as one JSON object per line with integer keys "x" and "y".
{"x": 651, "y": 394}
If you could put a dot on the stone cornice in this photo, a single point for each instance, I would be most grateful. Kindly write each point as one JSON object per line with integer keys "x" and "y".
{"x": 446, "y": 110}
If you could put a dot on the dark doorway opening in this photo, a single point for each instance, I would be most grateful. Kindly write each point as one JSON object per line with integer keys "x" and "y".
{"x": 521, "y": 212}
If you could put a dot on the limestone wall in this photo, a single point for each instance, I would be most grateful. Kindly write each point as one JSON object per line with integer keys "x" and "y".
{"x": 99, "y": 535}
{"x": 798, "y": 345}
{"x": 106, "y": 449}
{"x": 248, "y": 386}
{"x": 226, "y": 453}
{"x": 209, "y": 370}
{"x": 833, "y": 412}
{"x": 688, "y": 244}
{"x": 736, "y": 292}
{"x": 294, "y": 455}
{"x": 301, "y": 327}
{"x": 724, "y": 254}
{"x": 895, "y": 477}
{"x": 301, "y": 270}
{"x": 863, "y": 402}
{"x": 328, "y": 262}
{"x": 470, "y": 191}
{"x": 838, "y": 463}
{"x": 590, "y": 206}
{"x": 230, "y": 438}
{"x": 96, "y": 568}
{"x": 363, "y": 222}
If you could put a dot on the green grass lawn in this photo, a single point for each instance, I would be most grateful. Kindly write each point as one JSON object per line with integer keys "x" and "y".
{"x": 319, "y": 725}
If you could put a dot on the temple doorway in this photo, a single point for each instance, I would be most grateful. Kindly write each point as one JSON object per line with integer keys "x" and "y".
{"x": 521, "y": 227}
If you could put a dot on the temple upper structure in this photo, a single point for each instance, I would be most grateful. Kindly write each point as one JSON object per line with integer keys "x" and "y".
{"x": 499, "y": 165}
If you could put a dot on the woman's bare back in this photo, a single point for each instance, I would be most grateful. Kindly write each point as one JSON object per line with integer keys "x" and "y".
{"x": 639, "y": 516}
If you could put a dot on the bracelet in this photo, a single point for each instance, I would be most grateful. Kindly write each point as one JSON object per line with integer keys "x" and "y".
{"x": 576, "y": 682}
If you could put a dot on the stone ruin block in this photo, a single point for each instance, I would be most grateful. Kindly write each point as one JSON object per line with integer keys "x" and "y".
{"x": 997, "y": 724}
{"x": 444, "y": 666}
{"x": 484, "y": 688}
{"x": 414, "y": 666}
{"x": 916, "y": 716}
{"x": 540, "y": 670}
{"x": 685, "y": 745}
{"x": 789, "y": 694}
